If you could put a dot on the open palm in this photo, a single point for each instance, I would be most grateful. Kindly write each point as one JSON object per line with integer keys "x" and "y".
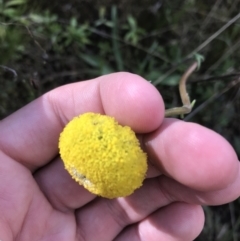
{"x": 189, "y": 166}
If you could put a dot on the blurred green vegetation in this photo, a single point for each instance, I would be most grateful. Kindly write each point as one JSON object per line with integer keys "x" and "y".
{"x": 44, "y": 45}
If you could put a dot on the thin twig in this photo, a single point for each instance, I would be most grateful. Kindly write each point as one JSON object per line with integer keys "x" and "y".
{"x": 199, "y": 48}
{"x": 10, "y": 69}
{"x": 215, "y": 35}
{"x": 233, "y": 221}
{"x": 217, "y": 17}
{"x": 224, "y": 56}
{"x": 209, "y": 16}
{"x": 174, "y": 68}
{"x": 105, "y": 35}
{"x": 211, "y": 99}
{"x": 214, "y": 78}
{"x": 35, "y": 41}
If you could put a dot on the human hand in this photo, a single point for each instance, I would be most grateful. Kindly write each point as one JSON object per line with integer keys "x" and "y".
{"x": 189, "y": 166}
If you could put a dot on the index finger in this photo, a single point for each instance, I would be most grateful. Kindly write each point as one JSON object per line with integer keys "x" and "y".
{"x": 31, "y": 134}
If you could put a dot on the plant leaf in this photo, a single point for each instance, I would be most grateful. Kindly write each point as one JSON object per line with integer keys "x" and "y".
{"x": 15, "y": 2}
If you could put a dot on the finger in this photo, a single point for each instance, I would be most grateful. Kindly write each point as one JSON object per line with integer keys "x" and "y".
{"x": 175, "y": 191}
{"x": 192, "y": 155}
{"x": 31, "y": 134}
{"x": 175, "y": 222}
{"x": 100, "y": 214}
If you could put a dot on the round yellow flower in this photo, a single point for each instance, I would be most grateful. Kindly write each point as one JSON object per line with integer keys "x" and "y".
{"x": 102, "y": 155}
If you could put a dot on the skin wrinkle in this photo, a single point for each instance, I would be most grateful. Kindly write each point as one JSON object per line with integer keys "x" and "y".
{"x": 60, "y": 206}
{"x": 91, "y": 90}
{"x": 54, "y": 107}
{"x": 73, "y": 191}
{"x": 84, "y": 217}
{"x": 140, "y": 209}
{"x": 137, "y": 234}
{"x": 133, "y": 231}
{"x": 34, "y": 205}
{"x": 79, "y": 221}
{"x": 3, "y": 147}
{"x": 118, "y": 213}
{"x": 131, "y": 92}
{"x": 60, "y": 107}
{"x": 171, "y": 195}
{"x": 152, "y": 170}
{"x": 5, "y": 228}
{"x": 56, "y": 230}
{"x": 165, "y": 192}
{"x": 25, "y": 233}
{"x": 154, "y": 162}
{"x": 53, "y": 199}
{"x": 100, "y": 98}
{"x": 10, "y": 206}
{"x": 57, "y": 105}
{"x": 20, "y": 230}
{"x": 104, "y": 91}
{"x": 157, "y": 227}
{"x": 80, "y": 234}
{"x": 88, "y": 90}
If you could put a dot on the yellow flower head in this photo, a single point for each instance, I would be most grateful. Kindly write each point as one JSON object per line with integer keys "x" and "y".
{"x": 102, "y": 155}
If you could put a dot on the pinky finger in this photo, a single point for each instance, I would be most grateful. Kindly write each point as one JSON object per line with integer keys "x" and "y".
{"x": 175, "y": 222}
